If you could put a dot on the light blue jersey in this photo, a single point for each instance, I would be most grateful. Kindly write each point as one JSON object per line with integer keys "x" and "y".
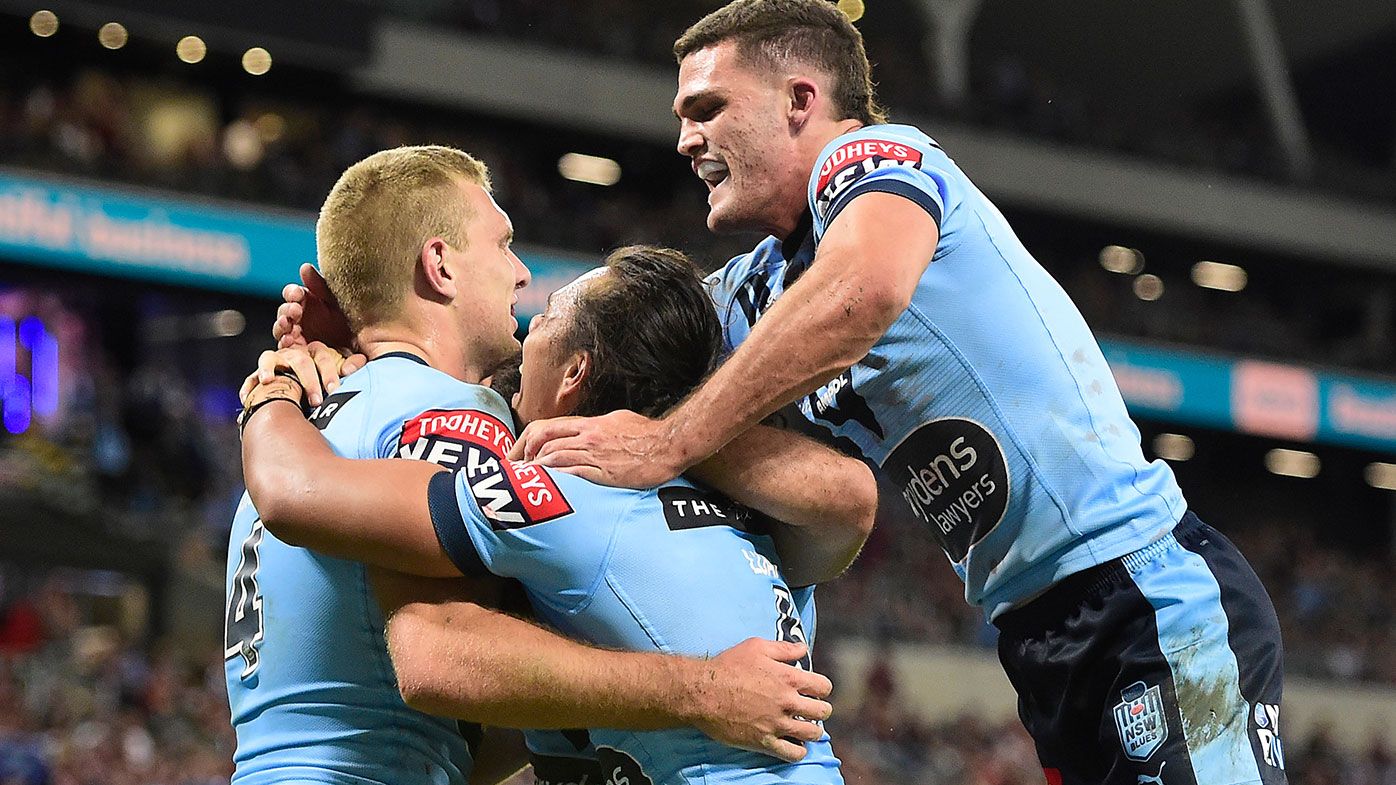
{"x": 313, "y": 694}
{"x": 675, "y": 569}
{"x": 987, "y": 403}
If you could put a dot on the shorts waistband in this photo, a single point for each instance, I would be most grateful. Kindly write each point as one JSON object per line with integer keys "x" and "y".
{"x": 1068, "y": 593}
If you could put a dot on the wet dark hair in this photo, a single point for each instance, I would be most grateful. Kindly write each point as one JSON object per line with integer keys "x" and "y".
{"x": 650, "y": 329}
{"x": 772, "y": 33}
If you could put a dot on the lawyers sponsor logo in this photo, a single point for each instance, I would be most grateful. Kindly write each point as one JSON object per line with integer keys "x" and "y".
{"x": 952, "y": 475}
{"x": 1267, "y": 732}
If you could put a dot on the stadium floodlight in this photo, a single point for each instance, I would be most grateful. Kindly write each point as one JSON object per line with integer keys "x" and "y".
{"x": 1122, "y": 260}
{"x": 1174, "y": 447}
{"x": 43, "y": 23}
{"x": 1148, "y": 287}
{"x": 1220, "y": 276}
{"x": 589, "y": 169}
{"x": 1292, "y": 463}
{"x": 853, "y": 9}
{"x": 112, "y": 35}
{"x": 1381, "y": 475}
{"x": 256, "y": 61}
{"x": 191, "y": 49}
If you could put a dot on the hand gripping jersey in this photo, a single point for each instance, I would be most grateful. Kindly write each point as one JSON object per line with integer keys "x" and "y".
{"x": 674, "y": 569}
{"x": 312, "y": 692}
{"x": 987, "y": 403}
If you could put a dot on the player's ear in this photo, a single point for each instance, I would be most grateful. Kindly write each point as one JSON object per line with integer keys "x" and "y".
{"x": 437, "y": 273}
{"x": 801, "y": 97}
{"x": 574, "y": 376}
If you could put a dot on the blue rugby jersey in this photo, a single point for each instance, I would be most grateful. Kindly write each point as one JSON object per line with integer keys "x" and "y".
{"x": 676, "y": 569}
{"x": 312, "y": 691}
{"x": 988, "y": 402}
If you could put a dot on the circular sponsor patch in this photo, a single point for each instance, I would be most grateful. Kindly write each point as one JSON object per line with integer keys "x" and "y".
{"x": 1260, "y": 718}
{"x": 953, "y": 477}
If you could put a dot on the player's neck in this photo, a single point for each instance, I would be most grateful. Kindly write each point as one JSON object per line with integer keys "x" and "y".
{"x": 436, "y": 350}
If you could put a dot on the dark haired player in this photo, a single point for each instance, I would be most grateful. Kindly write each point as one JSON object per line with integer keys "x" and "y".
{"x": 676, "y": 569}
{"x": 895, "y": 307}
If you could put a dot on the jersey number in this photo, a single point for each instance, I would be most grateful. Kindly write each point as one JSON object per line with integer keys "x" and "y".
{"x": 242, "y": 633}
{"x": 788, "y": 626}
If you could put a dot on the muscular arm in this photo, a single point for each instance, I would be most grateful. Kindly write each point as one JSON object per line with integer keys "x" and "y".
{"x": 863, "y": 277}
{"x": 825, "y": 501}
{"x": 458, "y": 658}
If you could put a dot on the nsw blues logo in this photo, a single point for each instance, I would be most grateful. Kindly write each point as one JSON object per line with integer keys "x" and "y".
{"x": 1141, "y": 721}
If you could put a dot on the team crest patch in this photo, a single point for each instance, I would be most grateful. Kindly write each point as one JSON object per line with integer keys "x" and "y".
{"x": 1141, "y": 721}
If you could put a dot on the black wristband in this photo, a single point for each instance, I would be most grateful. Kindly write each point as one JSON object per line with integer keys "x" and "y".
{"x": 246, "y": 414}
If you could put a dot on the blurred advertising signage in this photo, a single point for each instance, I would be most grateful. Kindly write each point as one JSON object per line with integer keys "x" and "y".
{"x": 126, "y": 233}
{"x": 1262, "y": 398}
{"x": 105, "y": 231}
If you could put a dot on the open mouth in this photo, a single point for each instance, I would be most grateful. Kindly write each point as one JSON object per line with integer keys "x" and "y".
{"x": 714, "y": 173}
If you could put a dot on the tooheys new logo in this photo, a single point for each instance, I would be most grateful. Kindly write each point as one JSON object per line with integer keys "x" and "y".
{"x": 854, "y": 159}
{"x": 475, "y": 443}
{"x": 953, "y": 476}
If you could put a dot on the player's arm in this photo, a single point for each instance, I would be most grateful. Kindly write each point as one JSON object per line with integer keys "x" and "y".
{"x": 862, "y": 278}
{"x": 824, "y": 502}
{"x": 457, "y": 658}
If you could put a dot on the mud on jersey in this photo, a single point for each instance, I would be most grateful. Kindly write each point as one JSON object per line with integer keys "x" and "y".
{"x": 987, "y": 403}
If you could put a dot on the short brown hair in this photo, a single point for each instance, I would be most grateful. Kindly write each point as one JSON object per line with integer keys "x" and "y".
{"x": 775, "y": 32}
{"x": 372, "y": 226}
{"x": 650, "y": 328}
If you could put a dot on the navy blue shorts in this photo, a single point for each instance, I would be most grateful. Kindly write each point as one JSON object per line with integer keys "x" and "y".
{"x": 1162, "y": 667}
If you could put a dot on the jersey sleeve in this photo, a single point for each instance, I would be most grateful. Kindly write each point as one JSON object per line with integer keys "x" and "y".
{"x": 550, "y": 530}
{"x": 874, "y": 160}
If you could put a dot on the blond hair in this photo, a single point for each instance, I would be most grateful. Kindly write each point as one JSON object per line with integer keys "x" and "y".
{"x": 372, "y": 226}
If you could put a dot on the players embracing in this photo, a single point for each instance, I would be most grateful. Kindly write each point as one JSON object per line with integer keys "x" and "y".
{"x": 342, "y": 644}
{"x": 895, "y": 309}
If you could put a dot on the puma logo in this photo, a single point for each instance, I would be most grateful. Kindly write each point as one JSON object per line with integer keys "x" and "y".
{"x": 1145, "y": 779}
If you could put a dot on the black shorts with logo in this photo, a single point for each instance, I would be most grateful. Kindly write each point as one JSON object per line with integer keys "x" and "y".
{"x": 1162, "y": 667}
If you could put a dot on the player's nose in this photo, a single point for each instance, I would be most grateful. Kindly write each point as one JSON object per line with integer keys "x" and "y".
{"x": 522, "y": 276}
{"x": 690, "y": 139}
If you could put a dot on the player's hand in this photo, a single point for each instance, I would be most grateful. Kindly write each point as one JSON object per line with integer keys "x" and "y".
{"x": 622, "y": 448}
{"x": 318, "y": 368}
{"x": 750, "y": 697}
{"x": 310, "y": 313}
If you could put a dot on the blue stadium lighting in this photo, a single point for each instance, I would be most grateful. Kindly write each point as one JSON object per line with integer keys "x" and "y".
{"x": 20, "y": 397}
{"x": 43, "y": 365}
{"x": 17, "y": 411}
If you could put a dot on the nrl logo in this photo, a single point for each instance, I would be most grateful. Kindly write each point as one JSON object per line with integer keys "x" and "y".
{"x": 1140, "y": 720}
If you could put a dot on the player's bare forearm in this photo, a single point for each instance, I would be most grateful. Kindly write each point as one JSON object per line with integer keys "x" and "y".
{"x": 463, "y": 660}
{"x": 863, "y": 277}
{"x": 459, "y": 658}
{"x": 369, "y": 511}
{"x": 825, "y": 501}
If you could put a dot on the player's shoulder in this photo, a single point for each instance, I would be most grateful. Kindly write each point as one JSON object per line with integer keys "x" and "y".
{"x": 899, "y": 158}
